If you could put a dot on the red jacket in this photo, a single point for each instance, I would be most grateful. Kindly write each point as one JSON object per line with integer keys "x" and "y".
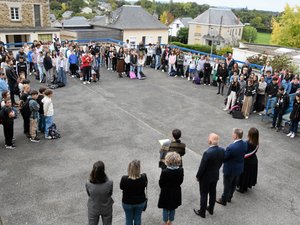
{"x": 86, "y": 60}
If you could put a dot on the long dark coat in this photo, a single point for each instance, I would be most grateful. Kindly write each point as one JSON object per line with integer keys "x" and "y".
{"x": 170, "y": 194}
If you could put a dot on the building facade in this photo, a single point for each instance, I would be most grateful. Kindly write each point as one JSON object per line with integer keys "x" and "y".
{"x": 25, "y": 21}
{"x": 177, "y": 24}
{"x": 135, "y": 24}
{"x": 215, "y": 26}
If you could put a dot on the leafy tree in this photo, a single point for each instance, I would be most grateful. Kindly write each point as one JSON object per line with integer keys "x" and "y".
{"x": 54, "y": 5}
{"x": 76, "y": 5}
{"x": 249, "y": 34}
{"x": 286, "y": 29}
{"x": 167, "y": 18}
{"x": 113, "y": 4}
{"x": 257, "y": 22}
{"x": 183, "y": 35}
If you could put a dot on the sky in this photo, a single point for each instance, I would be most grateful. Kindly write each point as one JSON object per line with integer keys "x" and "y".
{"x": 269, "y": 5}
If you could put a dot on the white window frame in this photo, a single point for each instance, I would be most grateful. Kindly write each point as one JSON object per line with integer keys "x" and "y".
{"x": 132, "y": 41}
{"x": 16, "y": 10}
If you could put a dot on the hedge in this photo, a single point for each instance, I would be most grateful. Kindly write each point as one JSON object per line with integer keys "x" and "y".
{"x": 197, "y": 47}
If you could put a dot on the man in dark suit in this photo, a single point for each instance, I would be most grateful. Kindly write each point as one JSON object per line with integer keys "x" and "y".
{"x": 233, "y": 165}
{"x": 208, "y": 174}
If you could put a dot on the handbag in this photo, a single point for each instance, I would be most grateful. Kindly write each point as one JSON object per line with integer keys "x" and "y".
{"x": 146, "y": 194}
{"x": 146, "y": 201}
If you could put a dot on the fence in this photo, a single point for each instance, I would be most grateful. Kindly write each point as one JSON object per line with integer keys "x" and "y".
{"x": 213, "y": 56}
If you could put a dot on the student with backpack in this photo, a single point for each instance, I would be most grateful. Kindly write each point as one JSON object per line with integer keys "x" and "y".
{"x": 41, "y": 120}
{"x": 48, "y": 111}
{"x": 34, "y": 114}
{"x": 7, "y": 118}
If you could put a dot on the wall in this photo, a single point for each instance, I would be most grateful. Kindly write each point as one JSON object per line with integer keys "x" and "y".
{"x": 173, "y": 29}
{"x": 26, "y": 11}
{"x": 201, "y": 30}
{"x": 148, "y": 33}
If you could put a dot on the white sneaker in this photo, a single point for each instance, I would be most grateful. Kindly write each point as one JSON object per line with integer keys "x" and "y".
{"x": 88, "y": 82}
{"x": 246, "y": 117}
{"x": 289, "y": 134}
{"x": 293, "y": 135}
{"x": 162, "y": 71}
{"x": 176, "y": 76}
{"x": 189, "y": 78}
{"x": 204, "y": 84}
{"x": 225, "y": 109}
{"x": 81, "y": 78}
{"x": 84, "y": 82}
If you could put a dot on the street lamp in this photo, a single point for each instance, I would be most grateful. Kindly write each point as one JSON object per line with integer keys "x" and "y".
{"x": 212, "y": 33}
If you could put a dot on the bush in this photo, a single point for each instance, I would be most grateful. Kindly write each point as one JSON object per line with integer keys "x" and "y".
{"x": 197, "y": 47}
{"x": 225, "y": 50}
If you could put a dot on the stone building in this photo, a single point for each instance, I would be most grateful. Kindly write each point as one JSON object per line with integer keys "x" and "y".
{"x": 25, "y": 21}
{"x": 215, "y": 26}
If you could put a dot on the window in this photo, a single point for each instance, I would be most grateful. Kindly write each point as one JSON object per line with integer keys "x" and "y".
{"x": 45, "y": 37}
{"x": 14, "y": 13}
{"x": 159, "y": 39}
{"x": 235, "y": 31}
{"x": 177, "y": 25}
{"x": 240, "y": 31}
{"x": 132, "y": 41}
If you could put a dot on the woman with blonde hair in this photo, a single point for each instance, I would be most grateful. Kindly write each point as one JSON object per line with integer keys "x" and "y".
{"x": 250, "y": 91}
{"x": 170, "y": 180}
{"x": 134, "y": 199}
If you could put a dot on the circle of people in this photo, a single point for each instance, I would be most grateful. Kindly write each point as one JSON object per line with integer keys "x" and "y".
{"x": 247, "y": 92}
{"x": 240, "y": 166}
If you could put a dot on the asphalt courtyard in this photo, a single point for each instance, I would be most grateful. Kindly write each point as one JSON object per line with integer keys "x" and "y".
{"x": 118, "y": 120}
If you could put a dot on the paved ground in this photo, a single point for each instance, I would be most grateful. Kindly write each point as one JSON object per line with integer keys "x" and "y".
{"x": 120, "y": 120}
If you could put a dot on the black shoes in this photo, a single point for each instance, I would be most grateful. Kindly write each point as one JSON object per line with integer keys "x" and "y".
{"x": 220, "y": 201}
{"x": 211, "y": 211}
{"x": 199, "y": 213}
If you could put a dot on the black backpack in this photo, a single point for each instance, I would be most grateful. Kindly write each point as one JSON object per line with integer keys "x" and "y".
{"x": 53, "y": 132}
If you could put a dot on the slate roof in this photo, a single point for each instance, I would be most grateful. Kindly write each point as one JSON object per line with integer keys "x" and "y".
{"x": 185, "y": 20}
{"x": 76, "y": 21}
{"x": 213, "y": 16}
{"x": 130, "y": 17}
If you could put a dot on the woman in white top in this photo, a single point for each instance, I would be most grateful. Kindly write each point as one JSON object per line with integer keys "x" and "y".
{"x": 140, "y": 65}
{"x": 40, "y": 64}
{"x": 61, "y": 68}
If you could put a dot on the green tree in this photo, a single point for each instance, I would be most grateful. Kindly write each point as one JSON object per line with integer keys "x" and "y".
{"x": 256, "y": 22}
{"x": 76, "y": 5}
{"x": 286, "y": 28}
{"x": 249, "y": 34}
{"x": 54, "y": 5}
{"x": 166, "y": 18}
{"x": 183, "y": 35}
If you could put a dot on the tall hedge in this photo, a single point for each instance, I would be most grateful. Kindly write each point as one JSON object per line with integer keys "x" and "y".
{"x": 197, "y": 47}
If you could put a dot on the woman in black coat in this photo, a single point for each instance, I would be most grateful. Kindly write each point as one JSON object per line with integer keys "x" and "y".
{"x": 295, "y": 117}
{"x": 249, "y": 176}
{"x": 170, "y": 180}
{"x": 222, "y": 75}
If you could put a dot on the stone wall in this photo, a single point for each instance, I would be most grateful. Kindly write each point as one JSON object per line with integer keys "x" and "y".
{"x": 26, "y": 11}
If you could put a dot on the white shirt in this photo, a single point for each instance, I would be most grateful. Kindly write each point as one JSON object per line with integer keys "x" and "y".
{"x": 48, "y": 106}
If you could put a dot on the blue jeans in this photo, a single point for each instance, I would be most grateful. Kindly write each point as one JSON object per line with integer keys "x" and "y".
{"x": 139, "y": 69}
{"x": 294, "y": 126}
{"x": 42, "y": 123}
{"x": 61, "y": 76}
{"x": 168, "y": 215}
{"x": 132, "y": 68}
{"x": 48, "y": 123}
{"x": 133, "y": 213}
{"x": 157, "y": 61}
{"x": 41, "y": 72}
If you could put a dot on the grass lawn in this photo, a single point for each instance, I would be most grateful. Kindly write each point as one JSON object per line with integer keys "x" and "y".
{"x": 263, "y": 38}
